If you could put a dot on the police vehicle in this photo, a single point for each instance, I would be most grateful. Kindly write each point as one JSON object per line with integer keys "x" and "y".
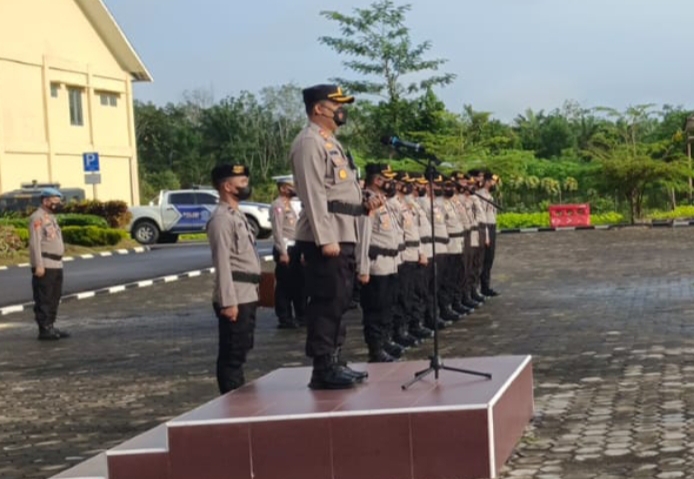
{"x": 176, "y": 212}
{"x": 29, "y": 196}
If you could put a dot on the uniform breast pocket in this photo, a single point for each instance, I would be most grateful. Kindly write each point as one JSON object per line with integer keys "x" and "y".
{"x": 289, "y": 218}
{"x": 384, "y": 222}
{"x": 243, "y": 240}
{"x": 340, "y": 168}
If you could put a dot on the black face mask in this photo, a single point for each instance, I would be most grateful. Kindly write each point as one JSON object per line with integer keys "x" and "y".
{"x": 340, "y": 116}
{"x": 422, "y": 192}
{"x": 406, "y": 189}
{"x": 449, "y": 192}
{"x": 242, "y": 194}
{"x": 438, "y": 193}
{"x": 492, "y": 188}
{"x": 291, "y": 193}
{"x": 56, "y": 207}
{"x": 389, "y": 189}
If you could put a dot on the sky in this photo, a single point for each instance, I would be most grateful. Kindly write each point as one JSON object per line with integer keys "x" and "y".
{"x": 508, "y": 55}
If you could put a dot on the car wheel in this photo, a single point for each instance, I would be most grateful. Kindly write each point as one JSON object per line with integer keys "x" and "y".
{"x": 146, "y": 232}
{"x": 255, "y": 227}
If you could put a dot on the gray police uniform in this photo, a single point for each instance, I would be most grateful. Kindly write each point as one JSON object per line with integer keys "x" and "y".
{"x": 424, "y": 307}
{"x": 481, "y": 216}
{"x": 326, "y": 183}
{"x": 237, "y": 276}
{"x": 378, "y": 256}
{"x": 289, "y": 278}
{"x": 489, "y": 251}
{"x": 453, "y": 263}
{"x": 46, "y": 249}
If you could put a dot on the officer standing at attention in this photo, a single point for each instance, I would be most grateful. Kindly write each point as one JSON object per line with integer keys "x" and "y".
{"x": 377, "y": 264}
{"x": 46, "y": 250}
{"x": 326, "y": 233}
{"x": 289, "y": 274}
{"x": 489, "y": 186}
{"x": 454, "y": 263}
{"x": 237, "y": 274}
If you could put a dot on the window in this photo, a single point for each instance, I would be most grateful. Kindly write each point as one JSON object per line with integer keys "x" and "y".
{"x": 205, "y": 199}
{"x": 109, "y": 99}
{"x": 182, "y": 199}
{"x": 55, "y": 87}
{"x": 76, "y": 117}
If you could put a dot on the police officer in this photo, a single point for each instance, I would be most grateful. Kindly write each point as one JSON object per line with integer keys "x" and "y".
{"x": 489, "y": 186}
{"x": 237, "y": 274}
{"x": 46, "y": 251}
{"x": 289, "y": 274}
{"x": 454, "y": 263}
{"x": 326, "y": 233}
{"x": 377, "y": 266}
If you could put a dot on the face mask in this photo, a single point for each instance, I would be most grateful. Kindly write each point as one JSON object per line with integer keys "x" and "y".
{"x": 407, "y": 189}
{"x": 56, "y": 207}
{"x": 244, "y": 193}
{"x": 422, "y": 192}
{"x": 291, "y": 193}
{"x": 389, "y": 189}
{"x": 438, "y": 192}
{"x": 340, "y": 116}
{"x": 449, "y": 192}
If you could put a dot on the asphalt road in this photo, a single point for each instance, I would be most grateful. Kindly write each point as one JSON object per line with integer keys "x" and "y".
{"x": 102, "y": 272}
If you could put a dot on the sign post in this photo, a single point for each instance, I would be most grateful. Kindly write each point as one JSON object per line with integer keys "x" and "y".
{"x": 92, "y": 170}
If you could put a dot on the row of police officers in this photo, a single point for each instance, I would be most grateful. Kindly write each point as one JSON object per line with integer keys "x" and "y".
{"x": 378, "y": 237}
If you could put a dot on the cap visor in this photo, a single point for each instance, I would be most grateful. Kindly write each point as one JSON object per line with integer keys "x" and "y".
{"x": 341, "y": 98}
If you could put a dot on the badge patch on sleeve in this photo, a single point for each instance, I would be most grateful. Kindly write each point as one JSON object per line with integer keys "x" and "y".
{"x": 343, "y": 174}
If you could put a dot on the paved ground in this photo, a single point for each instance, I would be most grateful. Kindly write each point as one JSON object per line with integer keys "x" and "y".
{"x": 608, "y": 315}
{"x": 102, "y": 272}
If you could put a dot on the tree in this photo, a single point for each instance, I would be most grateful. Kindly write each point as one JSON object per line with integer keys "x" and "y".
{"x": 381, "y": 51}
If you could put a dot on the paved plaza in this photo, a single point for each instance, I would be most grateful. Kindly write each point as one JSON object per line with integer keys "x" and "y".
{"x": 607, "y": 315}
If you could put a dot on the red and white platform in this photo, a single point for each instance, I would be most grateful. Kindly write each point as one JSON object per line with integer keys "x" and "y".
{"x": 459, "y": 427}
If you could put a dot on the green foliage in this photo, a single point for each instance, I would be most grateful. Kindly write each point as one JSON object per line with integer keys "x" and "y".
{"x": 93, "y": 236}
{"x": 10, "y": 242}
{"x": 541, "y": 220}
{"x": 679, "y": 213}
{"x": 115, "y": 213}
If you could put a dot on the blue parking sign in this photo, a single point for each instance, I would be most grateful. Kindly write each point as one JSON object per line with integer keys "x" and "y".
{"x": 90, "y": 162}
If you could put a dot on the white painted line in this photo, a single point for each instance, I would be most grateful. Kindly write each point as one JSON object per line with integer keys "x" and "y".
{"x": 105, "y": 253}
{"x": 86, "y": 256}
{"x": 68, "y": 259}
{"x": 85, "y": 295}
{"x": 116, "y": 289}
{"x": 322, "y": 415}
{"x": 23, "y": 265}
{"x": 122, "y": 251}
{"x": 602, "y": 227}
{"x": 169, "y": 279}
{"x": 566, "y": 228}
{"x": 2, "y": 268}
{"x": 193, "y": 274}
{"x": 267, "y": 258}
{"x": 144, "y": 284}
{"x": 128, "y": 452}
{"x": 492, "y": 450}
{"x": 510, "y": 380}
{"x": 11, "y": 309}
{"x": 139, "y": 249}
{"x": 529, "y": 230}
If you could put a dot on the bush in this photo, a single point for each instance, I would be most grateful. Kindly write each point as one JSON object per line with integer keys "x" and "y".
{"x": 69, "y": 219}
{"x": 541, "y": 220}
{"x": 679, "y": 213}
{"x": 23, "y": 234}
{"x": 92, "y": 236}
{"x": 10, "y": 241}
{"x": 14, "y": 222}
{"x": 115, "y": 213}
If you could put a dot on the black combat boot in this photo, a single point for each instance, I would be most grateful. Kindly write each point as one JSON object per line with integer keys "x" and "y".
{"x": 469, "y": 303}
{"x": 326, "y": 375}
{"x": 448, "y": 315}
{"x": 460, "y": 308}
{"x": 359, "y": 376}
{"x": 477, "y": 297}
{"x": 420, "y": 332}
{"x": 404, "y": 339}
{"x": 378, "y": 355}
{"x": 393, "y": 349}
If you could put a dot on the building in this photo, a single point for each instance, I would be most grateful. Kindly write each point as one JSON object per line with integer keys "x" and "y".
{"x": 66, "y": 73}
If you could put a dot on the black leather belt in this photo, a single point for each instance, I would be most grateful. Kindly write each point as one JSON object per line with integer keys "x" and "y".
{"x": 375, "y": 251}
{"x": 442, "y": 240}
{"x": 412, "y": 244}
{"x": 402, "y": 247}
{"x": 343, "y": 208}
{"x": 241, "y": 277}
{"x": 457, "y": 235}
{"x": 426, "y": 240}
{"x": 54, "y": 257}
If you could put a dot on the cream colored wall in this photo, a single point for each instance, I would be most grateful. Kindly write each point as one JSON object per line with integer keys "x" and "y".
{"x": 45, "y": 42}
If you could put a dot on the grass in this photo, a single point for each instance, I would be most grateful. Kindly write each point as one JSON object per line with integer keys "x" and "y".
{"x": 70, "y": 250}
{"x": 193, "y": 237}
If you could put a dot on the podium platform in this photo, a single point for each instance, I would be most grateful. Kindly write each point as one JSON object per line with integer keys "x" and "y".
{"x": 459, "y": 427}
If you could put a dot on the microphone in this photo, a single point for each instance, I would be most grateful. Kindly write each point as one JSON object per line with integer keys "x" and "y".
{"x": 397, "y": 142}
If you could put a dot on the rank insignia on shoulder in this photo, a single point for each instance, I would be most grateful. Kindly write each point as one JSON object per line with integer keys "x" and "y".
{"x": 323, "y": 133}
{"x": 329, "y": 145}
{"x": 343, "y": 174}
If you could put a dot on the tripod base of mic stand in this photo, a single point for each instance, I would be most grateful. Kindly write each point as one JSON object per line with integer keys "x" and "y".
{"x": 437, "y": 365}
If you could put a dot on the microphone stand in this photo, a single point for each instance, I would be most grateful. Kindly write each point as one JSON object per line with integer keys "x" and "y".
{"x": 436, "y": 363}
